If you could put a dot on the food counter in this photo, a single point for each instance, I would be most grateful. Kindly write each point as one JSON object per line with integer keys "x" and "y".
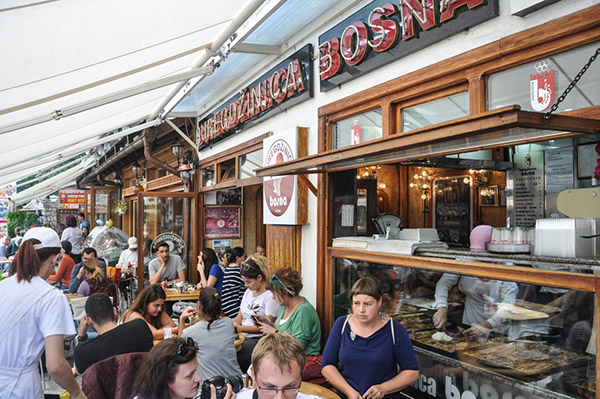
{"x": 542, "y": 347}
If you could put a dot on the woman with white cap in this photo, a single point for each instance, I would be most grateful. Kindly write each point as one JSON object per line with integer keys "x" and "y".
{"x": 35, "y": 316}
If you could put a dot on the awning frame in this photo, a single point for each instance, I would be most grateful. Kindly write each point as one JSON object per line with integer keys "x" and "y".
{"x": 496, "y": 122}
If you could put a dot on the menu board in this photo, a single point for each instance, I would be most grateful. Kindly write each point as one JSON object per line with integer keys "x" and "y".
{"x": 559, "y": 169}
{"x": 528, "y": 179}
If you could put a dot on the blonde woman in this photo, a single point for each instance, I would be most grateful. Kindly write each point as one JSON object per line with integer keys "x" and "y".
{"x": 95, "y": 281}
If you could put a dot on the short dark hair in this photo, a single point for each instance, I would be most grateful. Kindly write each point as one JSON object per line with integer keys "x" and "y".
{"x": 81, "y": 214}
{"x": 161, "y": 244}
{"x": 99, "y": 308}
{"x": 90, "y": 250}
{"x": 366, "y": 286}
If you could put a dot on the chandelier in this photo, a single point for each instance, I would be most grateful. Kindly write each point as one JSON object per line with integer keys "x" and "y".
{"x": 422, "y": 183}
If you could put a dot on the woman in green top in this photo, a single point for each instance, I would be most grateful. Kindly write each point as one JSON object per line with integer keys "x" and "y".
{"x": 297, "y": 317}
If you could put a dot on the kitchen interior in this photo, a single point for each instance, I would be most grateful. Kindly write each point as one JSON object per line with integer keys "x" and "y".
{"x": 543, "y": 203}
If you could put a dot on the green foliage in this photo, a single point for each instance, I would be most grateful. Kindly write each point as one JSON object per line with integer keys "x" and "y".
{"x": 25, "y": 220}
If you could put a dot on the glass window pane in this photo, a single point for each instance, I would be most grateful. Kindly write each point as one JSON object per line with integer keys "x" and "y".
{"x": 103, "y": 203}
{"x": 250, "y": 162}
{"x": 208, "y": 176}
{"x": 514, "y": 85}
{"x": 164, "y": 222}
{"x": 227, "y": 170}
{"x": 532, "y": 341}
{"x": 438, "y": 111}
{"x": 357, "y": 129}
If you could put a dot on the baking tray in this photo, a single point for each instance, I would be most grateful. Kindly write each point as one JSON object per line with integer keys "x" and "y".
{"x": 526, "y": 360}
{"x": 415, "y": 321}
{"x": 508, "y": 248}
{"x": 462, "y": 342}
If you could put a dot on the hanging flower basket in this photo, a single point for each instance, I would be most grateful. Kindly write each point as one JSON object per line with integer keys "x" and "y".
{"x": 120, "y": 207}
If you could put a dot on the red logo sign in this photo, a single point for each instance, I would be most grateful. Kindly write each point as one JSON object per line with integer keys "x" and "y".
{"x": 542, "y": 86}
{"x": 356, "y": 132}
{"x": 279, "y": 189}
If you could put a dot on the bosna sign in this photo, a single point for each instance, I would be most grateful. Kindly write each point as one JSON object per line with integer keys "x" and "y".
{"x": 385, "y": 31}
{"x": 282, "y": 87}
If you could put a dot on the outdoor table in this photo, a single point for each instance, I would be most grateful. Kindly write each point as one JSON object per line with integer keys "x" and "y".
{"x": 173, "y": 295}
{"x": 313, "y": 389}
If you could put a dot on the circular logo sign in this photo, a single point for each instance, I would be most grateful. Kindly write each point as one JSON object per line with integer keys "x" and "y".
{"x": 279, "y": 189}
{"x": 176, "y": 243}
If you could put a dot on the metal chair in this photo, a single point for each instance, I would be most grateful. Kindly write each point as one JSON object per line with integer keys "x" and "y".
{"x": 382, "y": 222}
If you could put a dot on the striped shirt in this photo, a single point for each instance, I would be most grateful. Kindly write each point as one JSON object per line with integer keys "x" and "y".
{"x": 233, "y": 290}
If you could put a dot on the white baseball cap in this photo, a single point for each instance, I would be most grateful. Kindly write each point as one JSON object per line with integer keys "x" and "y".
{"x": 47, "y": 237}
{"x": 132, "y": 242}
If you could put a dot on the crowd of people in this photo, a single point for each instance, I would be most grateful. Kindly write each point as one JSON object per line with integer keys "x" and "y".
{"x": 368, "y": 355}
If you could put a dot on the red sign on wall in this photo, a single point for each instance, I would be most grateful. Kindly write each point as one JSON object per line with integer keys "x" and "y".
{"x": 71, "y": 196}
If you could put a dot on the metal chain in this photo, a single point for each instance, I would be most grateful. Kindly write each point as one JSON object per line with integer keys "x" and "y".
{"x": 554, "y": 107}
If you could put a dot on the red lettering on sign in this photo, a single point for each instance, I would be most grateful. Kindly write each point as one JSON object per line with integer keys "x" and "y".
{"x": 448, "y": 7}
{"x": 244, "y": 103}
{"x": 254, "y": 108}
{"x": 281, "y": 85}
{"x": 235, "y": 119}
{"x": 423, "y": 11}
{"x": 354, "y": 43}
{"x": 266, "y": 101}
{"x": 329, "y": 60}
{"x": 385, "y": 31}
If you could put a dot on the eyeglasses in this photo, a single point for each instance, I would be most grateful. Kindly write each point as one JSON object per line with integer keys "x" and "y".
{"x": 278, "y": 283}
{"x": 246, "y": 266}
{"x": 182, "y": 349}
{"x": 272, "y": 392}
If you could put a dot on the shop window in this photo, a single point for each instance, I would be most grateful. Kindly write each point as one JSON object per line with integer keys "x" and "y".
{"x": 248, "y": 163}
{"x": 437, "y": 111}
{"x": 549, "y": 76}
{"x": 227, "y": 170}
{"x": 541, "y": 338}
{"x": 208, "y": 176}
{"x": 357, "y": 129}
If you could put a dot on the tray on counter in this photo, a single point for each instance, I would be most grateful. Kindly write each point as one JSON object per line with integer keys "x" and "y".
{"x": 524, "y": 359}
{"x": 508, "y": 248}
{"x": 447, "y": 348}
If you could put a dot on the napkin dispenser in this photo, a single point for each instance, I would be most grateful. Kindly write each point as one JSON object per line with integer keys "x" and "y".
{"x": 565, "y": 237}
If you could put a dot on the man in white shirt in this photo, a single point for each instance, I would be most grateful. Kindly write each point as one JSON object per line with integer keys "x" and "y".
{"x": 129, "y": 257}
{"x": 165, "y": 267}
{"x": 277, "y": 364}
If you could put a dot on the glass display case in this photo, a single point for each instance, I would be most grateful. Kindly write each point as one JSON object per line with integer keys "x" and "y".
{"x": 539, "y": 343}
{"x": 108, "y": 242}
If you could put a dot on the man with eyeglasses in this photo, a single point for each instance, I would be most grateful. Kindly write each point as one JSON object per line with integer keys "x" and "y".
{"x": 277, "y": 364}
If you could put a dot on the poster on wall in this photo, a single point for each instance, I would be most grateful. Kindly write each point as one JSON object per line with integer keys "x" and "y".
{"x": 559, "y": 170}
{"x": 280, "y": 199}
{"x": 528, "y": 189}
{"x": 221, "y": 246}
{"x": 222, "y": 222}
{"x": 71, "y": 198}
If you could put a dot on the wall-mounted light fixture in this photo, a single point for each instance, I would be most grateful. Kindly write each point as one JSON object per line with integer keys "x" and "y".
{"x": 422, "y": 183}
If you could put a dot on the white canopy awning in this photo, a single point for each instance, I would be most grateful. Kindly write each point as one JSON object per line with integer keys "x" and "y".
{"x": 75, "y": 73}
{"x": 104, "y": 65}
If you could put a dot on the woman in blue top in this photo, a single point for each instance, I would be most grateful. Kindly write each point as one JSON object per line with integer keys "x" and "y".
{"x": 208, "y": 265}
{"x": 368, "y": 356}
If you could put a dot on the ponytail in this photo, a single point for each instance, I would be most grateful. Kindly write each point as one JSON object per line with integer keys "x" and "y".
{"x": 93, "y": 266}
{"x": 29, "y": 260}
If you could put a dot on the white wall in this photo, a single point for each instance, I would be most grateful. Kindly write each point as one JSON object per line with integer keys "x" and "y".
{"x": 305, "y": 114}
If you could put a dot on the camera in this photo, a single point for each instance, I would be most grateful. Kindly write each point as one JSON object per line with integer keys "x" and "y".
{"x": 237, "y": 383}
